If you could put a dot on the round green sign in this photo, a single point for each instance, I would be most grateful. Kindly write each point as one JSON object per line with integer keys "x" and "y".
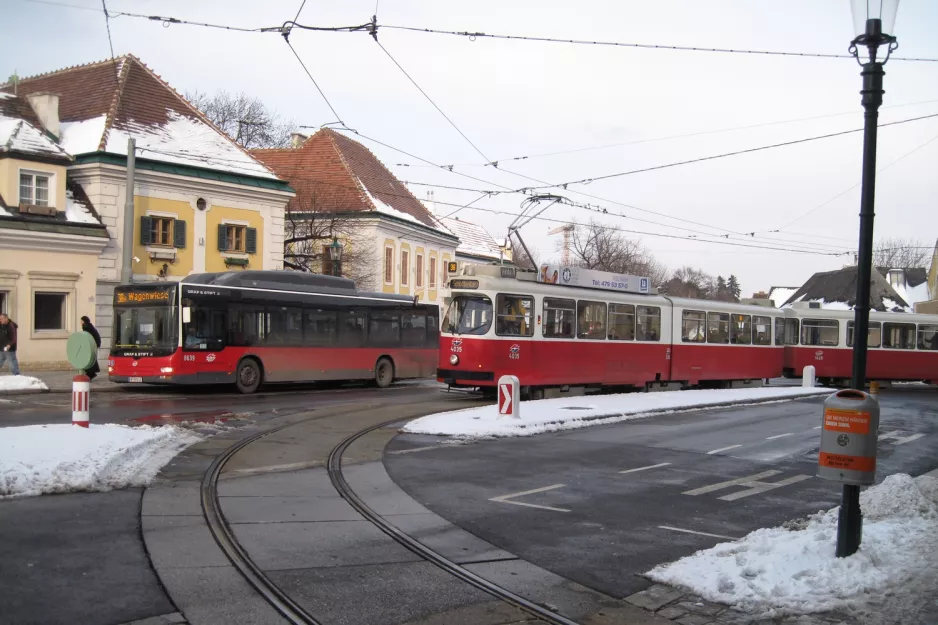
{"x": 82, "y": 350}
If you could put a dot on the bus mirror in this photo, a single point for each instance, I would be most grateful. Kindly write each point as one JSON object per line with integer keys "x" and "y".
{"x": 186, "y": 314}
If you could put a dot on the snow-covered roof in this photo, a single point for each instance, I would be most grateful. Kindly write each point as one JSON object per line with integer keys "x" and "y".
{"x": 474, "y": 240}
{"x": 102, "y": 105}
{"x": 781, "y": 294}
{"x": 78, "y": 207}
{"x": 18, "y": 135}
{"x": 837, "y": 290}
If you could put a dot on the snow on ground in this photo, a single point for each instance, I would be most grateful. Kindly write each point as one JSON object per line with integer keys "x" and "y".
{"x": 779, "y": 571}
{"x": 38, "y": 459}
{"x": 548, "y": 415}
{"x": 21, "y": 383}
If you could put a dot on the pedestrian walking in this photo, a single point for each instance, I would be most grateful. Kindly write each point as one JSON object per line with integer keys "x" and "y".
{"x": 87, "y": 326}
{"x": 8, "y": 344}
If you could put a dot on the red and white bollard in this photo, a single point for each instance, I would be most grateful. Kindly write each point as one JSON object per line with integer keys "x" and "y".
{"x": 81, "y": 400}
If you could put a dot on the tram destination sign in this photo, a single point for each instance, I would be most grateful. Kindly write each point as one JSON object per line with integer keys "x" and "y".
{"x": 592, "y": 279}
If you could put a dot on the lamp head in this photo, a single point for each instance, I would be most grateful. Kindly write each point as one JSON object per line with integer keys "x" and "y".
{"x": 873, "y": 26}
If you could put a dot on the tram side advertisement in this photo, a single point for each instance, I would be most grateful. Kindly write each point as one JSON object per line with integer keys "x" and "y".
{"x": 592, "y": 279}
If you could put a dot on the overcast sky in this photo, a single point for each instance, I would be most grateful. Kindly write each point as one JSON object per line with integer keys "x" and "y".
{"x": 514, "y": 98}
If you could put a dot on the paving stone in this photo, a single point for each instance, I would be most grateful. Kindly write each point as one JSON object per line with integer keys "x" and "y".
{"x": 695, "y": 619}
{"x": 654, "y": 597}
{"x": 701, "y": 607}
{"x": 672, "y": 612}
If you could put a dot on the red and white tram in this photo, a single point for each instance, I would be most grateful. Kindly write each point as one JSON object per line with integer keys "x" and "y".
{"x": 560, "y": 338}
{"x": 901, "y": 346}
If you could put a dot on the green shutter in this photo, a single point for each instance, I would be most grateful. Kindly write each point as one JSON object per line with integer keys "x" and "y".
{"x": 250, "y": 244}
{"x": 179, "y": 234}
{"x": 222, "y": 238}
{"x": 146, "y": 230}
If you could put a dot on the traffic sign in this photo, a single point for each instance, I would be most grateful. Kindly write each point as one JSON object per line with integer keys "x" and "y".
{"x": 81, "y": 350}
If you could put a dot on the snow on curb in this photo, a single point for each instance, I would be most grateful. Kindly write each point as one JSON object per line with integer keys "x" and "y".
{"x": 9, "y": 383}
{"x": 549, "y": 415}
{"x": 778, "y": 571}
{"x": 39, "y": 459}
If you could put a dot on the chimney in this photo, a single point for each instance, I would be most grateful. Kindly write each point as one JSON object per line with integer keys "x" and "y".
{"x": 297, "y": 139}
{"x": 46, "y": 107}
{"x": 430, "y": 203}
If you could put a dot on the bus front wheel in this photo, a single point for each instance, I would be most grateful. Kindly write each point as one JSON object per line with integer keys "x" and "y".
{"x": 248, "y": 378}
{"x": 384, "y": 373}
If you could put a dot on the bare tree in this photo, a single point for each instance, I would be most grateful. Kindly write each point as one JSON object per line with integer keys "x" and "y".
{"x": 594, "y": 246}
{"x": 690, "y": 282}
{"x": 308, "y": 233}
{"x": 244, "y": 118}
{"x": 898, "y": 253}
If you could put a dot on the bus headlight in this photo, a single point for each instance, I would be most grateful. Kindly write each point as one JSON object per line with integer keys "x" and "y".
{"x": 166, "y": 370}
{"x": 454, "y": 360}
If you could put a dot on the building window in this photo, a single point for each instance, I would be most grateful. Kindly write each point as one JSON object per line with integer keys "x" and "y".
{"x": 445, "y": 272}
{"x": 433, "y": 284}
{"x": 4, "y": 297}
{"x": 389, "y": 265}
{"x": 235, "y": 237}
{"x": 419, "y": 278}
{"x": 49, "y": 311}
{"x": 34, "y": 188}
{"x": 161, "y": 231}
{"x": 405, "y": 266}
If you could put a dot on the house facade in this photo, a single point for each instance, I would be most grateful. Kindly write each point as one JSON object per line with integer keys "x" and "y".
{"x": 390, "y": 241}
{"x": 476, "y": 245}
{"x": 200, "y": 202}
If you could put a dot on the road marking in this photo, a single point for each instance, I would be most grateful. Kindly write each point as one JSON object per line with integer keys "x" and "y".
{"x": 651, "y": 466}
{"x": 817, "y": 427}
{"x": 716, "y": 451}
{"x": 752, "y": 482}
{"x": 678, "y": 529}
{"x": 274, "y": 468}
{"x": 737, "y": 482}
{"x": 505, "y": 498}
{"x": 761, "y": 487}
{"x": 897, "y": 439}
{"x": 410, "y": 451}
{"x": 772, "y": 438}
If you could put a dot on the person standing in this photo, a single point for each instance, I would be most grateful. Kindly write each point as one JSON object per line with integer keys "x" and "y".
{"x": 8, "y": 344}
{"x": 87, "y": 326}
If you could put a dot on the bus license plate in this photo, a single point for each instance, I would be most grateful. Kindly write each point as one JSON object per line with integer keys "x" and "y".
{"x": 135, "y": 379}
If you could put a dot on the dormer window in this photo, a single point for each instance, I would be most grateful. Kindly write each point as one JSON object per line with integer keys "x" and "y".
{"x": 34, "y": 188}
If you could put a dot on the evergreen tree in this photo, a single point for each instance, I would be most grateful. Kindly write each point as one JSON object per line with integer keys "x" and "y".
{"x": 732, "y": 285}
{"x": 721, "y": 289}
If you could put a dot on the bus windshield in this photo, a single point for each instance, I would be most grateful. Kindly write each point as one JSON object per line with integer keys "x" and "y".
{"x": 144, "y": 320}
{"x": 469, "y": 314}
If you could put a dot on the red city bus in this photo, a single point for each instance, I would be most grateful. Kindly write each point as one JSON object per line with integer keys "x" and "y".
{"x": 253, "y": 327}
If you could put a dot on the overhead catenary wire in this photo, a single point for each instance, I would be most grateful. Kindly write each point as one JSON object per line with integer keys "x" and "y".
{"x": 107, "y": 23}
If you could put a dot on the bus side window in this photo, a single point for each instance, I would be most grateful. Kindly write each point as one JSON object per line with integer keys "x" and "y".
{"x": 414, "y": 329}
{"x": 384, "y": 328}
{"x": 433, "y": 328}
{"x": 319, "y": 327}
{"x": 351, "y": 328}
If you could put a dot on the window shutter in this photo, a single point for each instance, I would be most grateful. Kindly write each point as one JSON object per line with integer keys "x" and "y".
{"x": 222, "y": 238}
{"x": 179, "y": 234}
{"x": 146, "y": 230}
{"x": 250, "y": 245}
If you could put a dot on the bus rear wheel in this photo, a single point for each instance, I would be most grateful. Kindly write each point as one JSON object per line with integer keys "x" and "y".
{"x": 248, "y": 378}
{"x": 384, "y": 373}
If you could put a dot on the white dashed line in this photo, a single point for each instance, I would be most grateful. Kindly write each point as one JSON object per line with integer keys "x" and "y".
{"x": 505, "y": 498}
{"x": 413, "y": 449}
{"x": 716, "y": 451}
{"x": 816, "y": 428}
{"x": 678, "y": 529}
{"x": 897, "y": 438}
{"x": 772, "y": 438}
{"x": 651, "y": 466}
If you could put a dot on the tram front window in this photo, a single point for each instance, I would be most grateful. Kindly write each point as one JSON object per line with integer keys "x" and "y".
{"x": 469, "y": 314}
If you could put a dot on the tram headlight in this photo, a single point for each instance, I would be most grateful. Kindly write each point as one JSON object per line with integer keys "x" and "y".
{"x": 454, "y": 360}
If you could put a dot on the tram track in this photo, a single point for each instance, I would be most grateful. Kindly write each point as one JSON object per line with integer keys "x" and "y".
{"x": 285, "y": 605}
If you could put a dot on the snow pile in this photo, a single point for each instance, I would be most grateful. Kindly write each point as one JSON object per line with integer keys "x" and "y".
{"x": 21, "y": 383}
{"x": 776, "y": 572}
{"x": 548, "y": 415}
{"x": 83, "y": 136}
{"x": 37, "y": 459}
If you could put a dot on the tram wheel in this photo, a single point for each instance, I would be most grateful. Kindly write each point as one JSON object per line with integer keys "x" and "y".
{"x": 384, "y": 373}
{"x": 248, "y": 378}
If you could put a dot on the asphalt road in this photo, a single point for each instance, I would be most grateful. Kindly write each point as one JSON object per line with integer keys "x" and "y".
{"x": 604, "y": 504}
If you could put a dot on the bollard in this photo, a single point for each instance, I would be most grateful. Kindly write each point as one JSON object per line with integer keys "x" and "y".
{"x": 81, "y": 400}
{"x": 874, "y": 389}
{"x": 808, "y": 379}
{"x": 509, "y": 396}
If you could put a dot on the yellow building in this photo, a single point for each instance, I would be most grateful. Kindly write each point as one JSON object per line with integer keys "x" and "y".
{"x": 200, "y": 203}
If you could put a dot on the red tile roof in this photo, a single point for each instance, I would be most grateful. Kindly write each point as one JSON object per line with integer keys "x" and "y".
{"x": 332, "y": 173}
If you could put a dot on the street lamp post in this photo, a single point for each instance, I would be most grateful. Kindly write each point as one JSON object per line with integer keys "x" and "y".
{"x": 873, "y": 23}
{"x": 335, "y": 253}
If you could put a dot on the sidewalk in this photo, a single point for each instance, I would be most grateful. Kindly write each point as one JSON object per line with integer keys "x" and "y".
{"x": 61, "y": 382}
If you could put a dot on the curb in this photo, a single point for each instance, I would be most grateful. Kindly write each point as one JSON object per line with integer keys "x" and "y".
{"x": 59, "y": 391}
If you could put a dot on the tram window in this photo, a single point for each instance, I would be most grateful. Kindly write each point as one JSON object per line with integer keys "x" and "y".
{"x": 513, "y": 315}
{"x": 779, "y": 330}
{"x": 591, "y": 320}
{"x": 559, "y": 317}
{"x": 741, "y": 330}
{"x": 761, "y": 330}
{"x": 899, "y": 335}
{"x": 873, "y": 338}
{"x": 820, "y": 332}
{"x": 469, "y": 314}
{"x": 694, "y": 322}
{"x": 928, "y": 337}
{"x": 621, "y": 322}
{"x": 647, "y": 323}
{"x": 718, "y": 327}
{"x": 414, "y": 329}
{"x": 351, "y": 326}
{"x": 791, "y": 331}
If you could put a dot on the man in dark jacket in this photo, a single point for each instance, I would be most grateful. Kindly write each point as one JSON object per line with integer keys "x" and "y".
{"x": 8, "y": 344}
{"x": 87, "y": 326}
